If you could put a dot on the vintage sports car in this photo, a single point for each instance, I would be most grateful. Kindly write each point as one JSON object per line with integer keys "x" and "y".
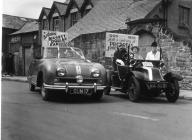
{"x": 138, "y": 78}
{"x": 66, "y": 69}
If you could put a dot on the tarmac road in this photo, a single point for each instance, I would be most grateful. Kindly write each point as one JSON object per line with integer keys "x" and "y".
{"x": 25, "y": 116}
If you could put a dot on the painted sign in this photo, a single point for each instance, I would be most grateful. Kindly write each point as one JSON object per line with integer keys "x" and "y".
{"x": 54, "y": 39}
{"x": 113, "y": 40}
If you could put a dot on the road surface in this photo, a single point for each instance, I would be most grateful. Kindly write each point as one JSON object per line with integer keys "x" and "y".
{"x": 25, "y": 116}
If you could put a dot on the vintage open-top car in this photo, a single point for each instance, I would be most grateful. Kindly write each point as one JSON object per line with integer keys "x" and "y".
{"x": 66, "y": 69}
{"x": 139, "y": 77}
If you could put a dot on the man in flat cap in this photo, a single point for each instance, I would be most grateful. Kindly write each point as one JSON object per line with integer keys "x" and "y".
{"x": 154, "y": 54}
{"x": 119, "y": 53}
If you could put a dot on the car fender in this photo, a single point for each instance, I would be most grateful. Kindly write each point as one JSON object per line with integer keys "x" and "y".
{"x": 102, "y": 71}
{"x": 172, "y": 76}
{"x": 138, "y": 75}
{"x": 48, "y": 72}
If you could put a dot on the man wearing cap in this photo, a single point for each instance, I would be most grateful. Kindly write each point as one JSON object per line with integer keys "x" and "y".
{"x": 154, "y": 54}
{"x": 118, "y": 55}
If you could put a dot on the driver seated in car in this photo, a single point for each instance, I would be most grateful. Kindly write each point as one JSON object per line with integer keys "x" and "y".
{"x": 154, "y": 54}
{"x": 118, "y": 56}
{"x": 135, "y": 51}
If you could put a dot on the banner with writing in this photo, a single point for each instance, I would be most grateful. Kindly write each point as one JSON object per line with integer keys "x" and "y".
{"x": 113, "y": 40}
{"x": 54, "y": 39}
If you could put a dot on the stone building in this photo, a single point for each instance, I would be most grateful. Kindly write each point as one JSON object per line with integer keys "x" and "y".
{"x": 22, "y": 43}
{"x": 62, "y": 16}
{"x": 10, "y": 24}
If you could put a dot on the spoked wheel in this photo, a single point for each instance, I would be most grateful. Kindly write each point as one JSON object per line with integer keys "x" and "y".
{"x": 172, "y": 92}
{"x": 31, "y": 87}
{"x": 44, "y": 93}
{"x": 134, "y": 90}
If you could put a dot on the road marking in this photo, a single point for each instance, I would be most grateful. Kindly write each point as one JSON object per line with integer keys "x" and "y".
{"x": 135, "y": 116}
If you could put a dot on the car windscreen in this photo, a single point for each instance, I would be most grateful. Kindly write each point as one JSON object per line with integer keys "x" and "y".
{"x": 70, "y": 53}
{"x": 51, "y": 53}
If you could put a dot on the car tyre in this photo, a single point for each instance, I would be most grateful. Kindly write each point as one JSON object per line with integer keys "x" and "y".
{"x": 98, "y": 95}
{"x": 44, "y": 93}
{"x": 172, "y": 92}
{"x": 31, "y": 87}
{"x": 134, "y": 90}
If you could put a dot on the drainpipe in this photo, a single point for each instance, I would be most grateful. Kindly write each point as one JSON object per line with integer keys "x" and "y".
{"x": 165, "y": 11}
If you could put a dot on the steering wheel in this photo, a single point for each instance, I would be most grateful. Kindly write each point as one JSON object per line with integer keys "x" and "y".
{"x": 125, "y": 56}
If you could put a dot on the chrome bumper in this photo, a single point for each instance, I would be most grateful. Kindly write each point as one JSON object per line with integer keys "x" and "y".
{"x": 67, "y": 86}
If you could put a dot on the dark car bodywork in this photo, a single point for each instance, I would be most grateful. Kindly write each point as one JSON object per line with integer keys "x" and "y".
{"x": 137, "y": 79}
{"x": 57, "y": 71}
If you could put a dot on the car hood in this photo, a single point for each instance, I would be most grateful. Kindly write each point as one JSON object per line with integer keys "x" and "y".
{"x": 77, "y": 67}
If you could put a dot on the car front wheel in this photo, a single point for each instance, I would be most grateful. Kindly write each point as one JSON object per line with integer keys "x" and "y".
{"x": 134, "y": 90}
{"x": 172, "y": 92}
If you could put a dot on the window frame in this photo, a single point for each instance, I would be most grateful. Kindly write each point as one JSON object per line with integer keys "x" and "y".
{"x": 184, "y": 15}
{"x": 56, "y": 25}
{"x": 45, "y": 24}
{"x": 74, "y": 18}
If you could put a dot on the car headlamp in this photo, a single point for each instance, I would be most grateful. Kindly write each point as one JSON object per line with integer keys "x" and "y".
{"x": 61, "y": 72}
{"x": 95, "y": 72}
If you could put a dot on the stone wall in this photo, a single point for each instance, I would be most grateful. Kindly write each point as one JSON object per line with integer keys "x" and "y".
{"x": 178, "y": 59}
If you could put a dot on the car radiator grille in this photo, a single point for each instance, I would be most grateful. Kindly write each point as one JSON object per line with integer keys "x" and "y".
{"x": 73, "y": 80}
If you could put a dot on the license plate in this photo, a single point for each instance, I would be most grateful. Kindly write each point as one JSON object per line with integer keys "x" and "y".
{"x": 158, "y": 85}
{"x": 161, "y": 85}
{"x": 79, "y": 91}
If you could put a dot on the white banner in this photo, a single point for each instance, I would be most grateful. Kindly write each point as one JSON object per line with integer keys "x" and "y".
{"x": 113, "y": 40}
{"x": 54, "y": 39}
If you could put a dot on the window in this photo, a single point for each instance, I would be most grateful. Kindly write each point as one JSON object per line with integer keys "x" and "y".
{"x": 56, "y": 24}
{"x": 73, "y": 18}
{"x": 45, "y": 24}
{"x": 183, "y": 16}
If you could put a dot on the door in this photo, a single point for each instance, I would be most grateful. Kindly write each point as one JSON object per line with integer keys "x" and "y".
{"x": 27, "y": 59}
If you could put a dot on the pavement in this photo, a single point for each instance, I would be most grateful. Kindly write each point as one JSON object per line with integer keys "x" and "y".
{"x": 184, "y": 94}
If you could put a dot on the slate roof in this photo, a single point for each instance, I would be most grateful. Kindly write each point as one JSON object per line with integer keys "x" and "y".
{"x": 110, "y": 15}
{"x": 27, "y": 28}
{"x": 45, "y": 11}
{"x": 14, "y": 22}
{"x": 62, "y": 7}
{"x": 79, "y": 3}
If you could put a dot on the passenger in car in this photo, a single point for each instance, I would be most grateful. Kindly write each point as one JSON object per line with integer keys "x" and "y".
{"x": 154, "y": 54}
{"x": 135, "y": 51}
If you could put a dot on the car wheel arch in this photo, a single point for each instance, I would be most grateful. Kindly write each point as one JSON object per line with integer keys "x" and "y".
{"x": 39, "y": 78}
